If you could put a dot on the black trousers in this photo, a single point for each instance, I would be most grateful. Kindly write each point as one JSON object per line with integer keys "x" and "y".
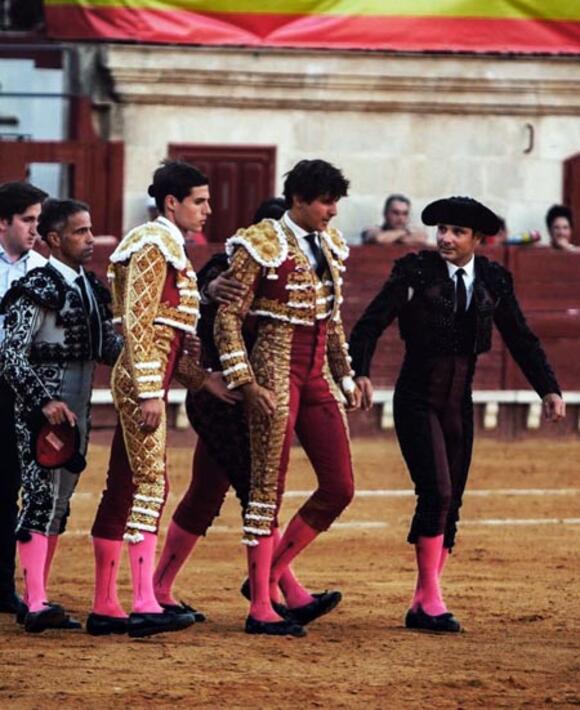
{"x": 9, "y": 487}
{"x": 434, "y": 423}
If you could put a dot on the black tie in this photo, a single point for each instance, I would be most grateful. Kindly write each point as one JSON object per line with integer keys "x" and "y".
{"x": 314, "y": 242}
{"x": 93, "y": 316}
{"x": 460, "y": 293}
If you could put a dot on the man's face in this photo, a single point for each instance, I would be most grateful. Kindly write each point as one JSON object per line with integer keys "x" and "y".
{"x": 315, "y": 216}
{"x": 397, "y": 216}
{"x": 561, "y": 230}
{"x": 74, "y": 245}
{"x": 456, "y": 244}
{"x": 190, "y": 215}
{"x": 19, "y": 234}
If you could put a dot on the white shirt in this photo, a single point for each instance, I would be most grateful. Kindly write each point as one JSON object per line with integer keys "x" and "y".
{"x": 10, "y": 271}
{"x": 300, "y": 235}
{"x": 71, "y": 276}
{"x": 468, "y": 277}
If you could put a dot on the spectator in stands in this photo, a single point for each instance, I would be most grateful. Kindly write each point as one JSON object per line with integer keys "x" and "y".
{"x": 560, "y": 226}
{"x": 395, "y": 228}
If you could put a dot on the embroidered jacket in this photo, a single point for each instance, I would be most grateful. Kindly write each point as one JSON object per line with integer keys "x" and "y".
{"x": 421, "y": 295}
{"x": 47, "y": 326}
{"x": 281, "y": 286}
{"x": 154, "y": 285}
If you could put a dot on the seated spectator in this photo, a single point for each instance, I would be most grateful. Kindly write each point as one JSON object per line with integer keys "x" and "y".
{"x": 560, "y": 226}
{"x": 395, "y": 228}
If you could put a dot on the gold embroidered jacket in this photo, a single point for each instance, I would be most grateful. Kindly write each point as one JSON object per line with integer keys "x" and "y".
{"x": 281, "y": 286}
{"x": 154, "y": 286}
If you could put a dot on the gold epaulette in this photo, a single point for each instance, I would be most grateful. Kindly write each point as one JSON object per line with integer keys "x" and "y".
{"x": 336, "y": 243}
{"x": 151, "y": 233}
{"x": 265, "y": 243}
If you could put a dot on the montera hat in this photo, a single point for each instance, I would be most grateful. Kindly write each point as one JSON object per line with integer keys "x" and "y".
{"x": 464, "y": 212}
{"x": 57, "y": 446}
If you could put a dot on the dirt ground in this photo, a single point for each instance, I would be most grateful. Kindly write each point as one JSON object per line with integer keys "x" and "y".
{"x": 513, "y": 582}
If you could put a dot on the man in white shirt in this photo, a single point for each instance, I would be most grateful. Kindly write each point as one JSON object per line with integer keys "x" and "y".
{"x": 446, "y": 302}
{"x": 20, "y": 205}
{"x": 57, "y": 326}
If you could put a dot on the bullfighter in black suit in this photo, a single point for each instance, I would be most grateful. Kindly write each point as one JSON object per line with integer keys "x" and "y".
{"x": 446, "y": 302}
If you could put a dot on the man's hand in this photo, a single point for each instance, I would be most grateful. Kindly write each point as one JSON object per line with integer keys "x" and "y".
{"x": 260, "y": 398}
{"x": 225, "y": 288}
{"x": 353, "y": 400}
{"x": 57, "y": 412}
{"x": 192, "y": 347}
{"x": 365, "y": 387}
{"x": 151, "y": 410}
{"x": 216, "y": 385}
{"x": 554, "y": 407}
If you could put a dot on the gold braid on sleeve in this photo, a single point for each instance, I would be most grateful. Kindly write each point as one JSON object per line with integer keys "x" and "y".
{"x": 339, "y": 359}
{"x": 143, "y": 288}
{"x": 228, "y": 338}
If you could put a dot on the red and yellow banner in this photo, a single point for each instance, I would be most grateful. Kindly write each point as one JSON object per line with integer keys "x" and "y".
{"x": 529, "y": 26}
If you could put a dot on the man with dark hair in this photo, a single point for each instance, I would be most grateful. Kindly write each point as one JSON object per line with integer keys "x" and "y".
{"x": 560, "y": 227}
{"x": 446, "y": 302}
{"x": 155, "y": 300}
{"x": 57, "y": 327}
{"x": 395, "y": 228}
{"x": 20, "y": 205}
{"x": 291, "y": 273}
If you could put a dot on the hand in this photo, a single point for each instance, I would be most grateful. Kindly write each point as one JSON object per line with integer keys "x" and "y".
{"x": 260, "y": 398}
{"x": 192, "y": 347}
{"x": 151, "y": 411}
{"x": 216, "y": 385}
{"x": 353, "y": 400}
{"x": 57, "y": 412}
{"x": 366, "y": 389}
{"x": 225, "y": 288}
{"x": 554, "y": 407}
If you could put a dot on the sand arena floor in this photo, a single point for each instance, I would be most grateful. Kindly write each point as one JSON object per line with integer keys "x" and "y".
{"x": 513, "y": 582}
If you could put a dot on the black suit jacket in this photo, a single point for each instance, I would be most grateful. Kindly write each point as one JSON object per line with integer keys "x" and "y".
{"x": 420, "y": 293}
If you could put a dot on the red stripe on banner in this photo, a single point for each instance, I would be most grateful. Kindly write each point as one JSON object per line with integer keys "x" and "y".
{"x": 338, "y": 32}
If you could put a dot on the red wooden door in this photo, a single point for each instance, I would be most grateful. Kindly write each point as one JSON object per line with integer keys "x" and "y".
{"x": 241, "y": 177}
{"x": 572, "y": 192}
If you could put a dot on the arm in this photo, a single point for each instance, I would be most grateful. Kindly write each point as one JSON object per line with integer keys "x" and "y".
{"x": 522, "y": 343}
{"x": 379, "y": 314}
{"x": 112, "y": 341}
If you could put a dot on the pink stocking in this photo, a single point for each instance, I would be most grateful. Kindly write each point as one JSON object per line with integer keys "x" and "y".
{"x": 142, "y": 561}
{"x": 259, "y": 563}
{"x": 428, "y": 551}
{"x": 33, "y": 559}
{"x": 443, "y": 560}
{"x": 297, "y": 536}
{"x": 178, "y": 545}
{"x": 294, "y": 593}
{"x": 51, "y": 549}
{"x": 107, "y": 557}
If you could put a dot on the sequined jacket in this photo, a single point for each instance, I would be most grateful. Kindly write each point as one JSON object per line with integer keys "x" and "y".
{"x": 420, "y": 293}
{"x": 281, "y": 287}
{"x": 154, "y": 286}
{"x": 46, "y": 328}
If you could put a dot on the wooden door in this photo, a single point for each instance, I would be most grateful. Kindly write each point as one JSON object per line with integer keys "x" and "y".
{"x": 572, "y": 192}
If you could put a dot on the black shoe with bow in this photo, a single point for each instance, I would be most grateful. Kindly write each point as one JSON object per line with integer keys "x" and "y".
{"x": 183, "y": 608}
{"x": 441, "y": 623}
{"x": 69, "y": 623}
{"x": 52, "y": 616}
{"x": 274, "y": 628}
{"x": 322, "y": 604}
{"x": 102, "y": 625}
{"x": 147, "y": 624}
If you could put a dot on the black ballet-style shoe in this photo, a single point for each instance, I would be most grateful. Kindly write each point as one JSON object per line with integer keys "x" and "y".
{"x": 51, "y": 617}
{"x": 441, "y": 623}
{"x": 68, "y": 624}
{"x": 102, "y": 625}
{"x": 280, "y": 609}
{"x": 149, "y": 623}
{"x": 183, "y": 608}
{"x": 10, "y": 603}
{"x": 274, "y": 628}
{"x": 322, "y": 604}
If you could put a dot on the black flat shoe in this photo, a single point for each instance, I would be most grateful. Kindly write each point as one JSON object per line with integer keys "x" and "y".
{"x": 322, "y": 604}
{"x": 274, "y": 628}
{"x": 68, "y": 624}
{"x": 442, "y": 623}
{"x": 411, "y": 619}
{"x": 102, "y": 625}
{"x": 280, "y": 609}
{"x": 51, "y": 617}
{"x": 183, "y": 608}
{"x": 148, "y": 624}
{"x": 10, "y": 603}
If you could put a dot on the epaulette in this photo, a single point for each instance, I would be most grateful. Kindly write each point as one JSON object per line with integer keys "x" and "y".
{"x": 336, "y": 243}
{"x": 43, "y": 286}
{"x": 157, "y": 235}
{"x": 265, "y": 242}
